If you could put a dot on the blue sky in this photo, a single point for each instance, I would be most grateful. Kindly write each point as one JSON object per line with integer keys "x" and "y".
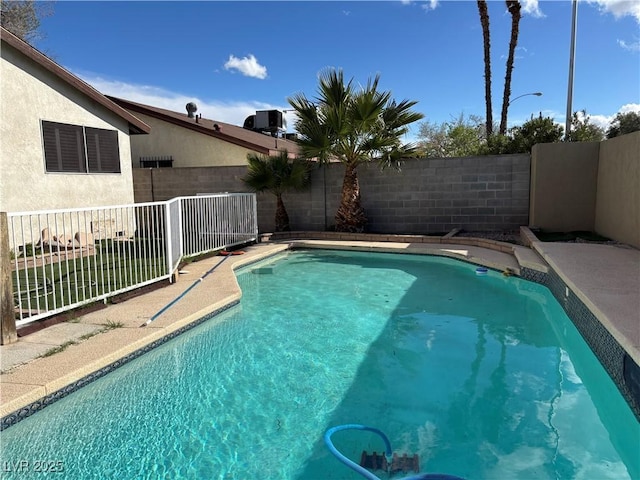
{"x": 233, "y": 58}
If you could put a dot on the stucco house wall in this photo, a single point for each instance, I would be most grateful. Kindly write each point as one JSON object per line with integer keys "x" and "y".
{"x": 188, "y": 148}
{"x": 31, "y": 93}
{"x": 183, "y": 140}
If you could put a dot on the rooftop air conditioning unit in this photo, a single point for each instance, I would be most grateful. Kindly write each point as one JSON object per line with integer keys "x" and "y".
{"x": 249, "y": 122}
{"x": 268, "y": 120}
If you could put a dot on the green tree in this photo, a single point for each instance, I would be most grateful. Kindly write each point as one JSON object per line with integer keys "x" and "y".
{"x": 486, "y": 41}
{"x": 514, "y": 9}
{"x": 432, "y": 140}
{"x": 460, "y": 137}
{"x": 353, "y": 126}
{"x": 22, "y": 17}
{"x": 536, "y": 130}
{"x": 582, "y": 130}
{"x": 277, "y": 174}
{"x": 498, "y": 145}
{"x": 624, "y": 123}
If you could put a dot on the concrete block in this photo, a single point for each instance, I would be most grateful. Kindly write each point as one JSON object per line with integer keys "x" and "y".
{"x": 486, "y": 211}
{"x": 487, "y": 194}
{"x": 487, "y": 177}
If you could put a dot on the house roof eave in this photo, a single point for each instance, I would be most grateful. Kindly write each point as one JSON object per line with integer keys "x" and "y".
{"x": 189, "y": 125}
{"x": 136, "y": 126}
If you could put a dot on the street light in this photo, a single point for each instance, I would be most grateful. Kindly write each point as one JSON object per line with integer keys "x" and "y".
{"x": 572, "y": 53}
{"x": 537, "y": 94}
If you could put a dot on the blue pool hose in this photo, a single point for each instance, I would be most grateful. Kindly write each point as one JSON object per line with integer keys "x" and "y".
{"x": 388, "y": 453}
{"x": 175, "y": 300}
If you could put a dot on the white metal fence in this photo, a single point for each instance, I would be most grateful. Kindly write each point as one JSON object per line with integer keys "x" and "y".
{"x": 62, "y": 259}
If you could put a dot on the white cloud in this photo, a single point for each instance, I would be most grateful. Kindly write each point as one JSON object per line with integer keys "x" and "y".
{"x": 531, "y": 7}
{"x": 618, "y": 8}
{"x": 233, "y": 112}
{"x": 604, "y": 121}
{"x": 630, "y": 107}
{"x": 601, "y": 121}
{"x": 632, "y": 47}
{"x": 248, "y": 66}
{"x": 425, "y": 5}
{"x": 430, "y": 5}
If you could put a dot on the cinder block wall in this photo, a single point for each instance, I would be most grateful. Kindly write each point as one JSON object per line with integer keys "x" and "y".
{"x": 427, "y": 196}
{"x": 437, "y": 194}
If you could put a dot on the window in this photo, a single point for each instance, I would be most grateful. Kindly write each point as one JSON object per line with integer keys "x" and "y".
{"x": 76, "y": 149}
{"x": 165, "y": 161}
{"x": 63, "y": 147}
{"x": 102, "y": 150}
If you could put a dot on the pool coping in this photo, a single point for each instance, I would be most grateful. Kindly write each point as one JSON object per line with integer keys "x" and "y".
{"x": 510, "y": 259}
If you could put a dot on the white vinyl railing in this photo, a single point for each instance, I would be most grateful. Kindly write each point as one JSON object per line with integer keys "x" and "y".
{"x": 62, "y": 259}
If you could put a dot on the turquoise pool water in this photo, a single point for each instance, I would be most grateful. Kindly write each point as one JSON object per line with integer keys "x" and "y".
{"x": 483, "y": 376}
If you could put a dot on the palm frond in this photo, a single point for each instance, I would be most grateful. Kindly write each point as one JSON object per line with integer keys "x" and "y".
{"x": 277, "y": 173}
{"x": 259, "y": 177}
{"x": 332, "y": 89}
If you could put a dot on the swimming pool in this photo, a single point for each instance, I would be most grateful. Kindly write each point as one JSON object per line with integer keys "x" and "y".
{"x": 482, "y": 376}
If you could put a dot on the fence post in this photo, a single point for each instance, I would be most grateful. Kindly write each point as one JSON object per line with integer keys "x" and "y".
{"x": 7, "y": 315}
{"x": 168, "y": 242}
{"x": 254, "y": 205}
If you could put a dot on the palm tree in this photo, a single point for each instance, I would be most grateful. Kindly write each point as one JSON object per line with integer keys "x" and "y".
{"x": 353, "y": 126}
{"x": 484, "y": 21}
{"x": 277, "y": 174}
{"x": 514, "y": 9}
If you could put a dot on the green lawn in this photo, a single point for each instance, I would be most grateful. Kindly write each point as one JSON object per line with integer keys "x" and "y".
{"x": 109, "y": 267}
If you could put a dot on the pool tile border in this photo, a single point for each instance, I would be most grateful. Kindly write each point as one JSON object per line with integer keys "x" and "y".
{"x": 622, "y": 369}
{"x": 619, "y": 365}
{"x": 535, "y": 276}
{"x": 28, "y": 410}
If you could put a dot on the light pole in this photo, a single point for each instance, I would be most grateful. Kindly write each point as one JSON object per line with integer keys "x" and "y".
{"x": 572, "y": 53}
{"x": 537, "y": 94}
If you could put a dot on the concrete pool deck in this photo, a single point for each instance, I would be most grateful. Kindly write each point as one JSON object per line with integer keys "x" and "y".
{"x": 95, "y": 340}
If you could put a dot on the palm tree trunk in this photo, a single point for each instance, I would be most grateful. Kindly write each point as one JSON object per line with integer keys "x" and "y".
{"x": 514, "y": 9}
{"x": 350, "y": 216}
{"x": 282, "y": 217}
{"x": 484, "y": 21}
